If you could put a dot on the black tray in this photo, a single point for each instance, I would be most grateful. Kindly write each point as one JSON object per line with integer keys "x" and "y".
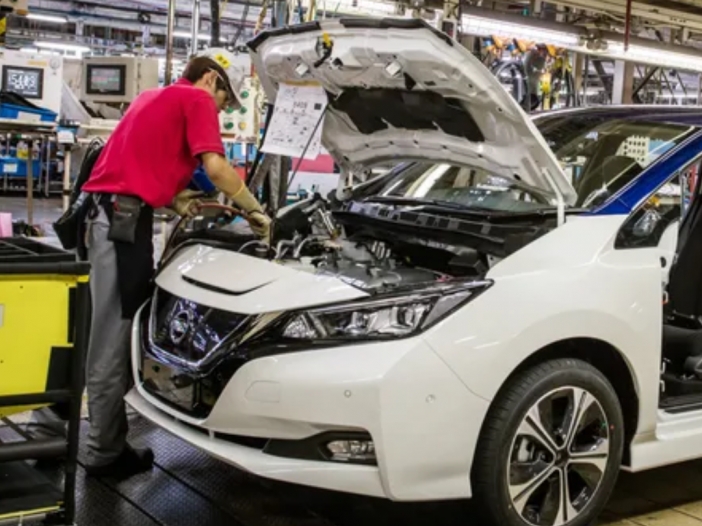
{"x": 26, "y": 250}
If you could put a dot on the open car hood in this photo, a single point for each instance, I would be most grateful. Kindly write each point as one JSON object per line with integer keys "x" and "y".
{"x": 399, "y": 89}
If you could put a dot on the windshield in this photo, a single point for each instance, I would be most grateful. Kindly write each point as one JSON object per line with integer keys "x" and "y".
{"x": 446, "y": 184}
{"x": 599, "y": 157}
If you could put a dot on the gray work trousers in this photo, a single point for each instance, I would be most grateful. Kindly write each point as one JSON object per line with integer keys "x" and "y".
{"x": 107, "y": 363}
{"x": 107, "y": 366}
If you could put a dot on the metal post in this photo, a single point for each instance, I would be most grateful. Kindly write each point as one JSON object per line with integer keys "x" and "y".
{"x": 82, "y": 337}
{"x": 215, "y": 26}
{"x": 30, "y": 184}
{"x": 169, "y": 41}
{"x": 586, "y": 80}
{"x": 47, "y": 168}
{"x": 66, "y": 176}
{"x": 195, "y": 28}
{"x": 623, "y": 86}
{"x": 579, "y": 63}
{"x": 627, "y": 26}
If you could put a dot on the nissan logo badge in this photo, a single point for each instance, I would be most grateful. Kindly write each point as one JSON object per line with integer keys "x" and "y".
{"x": 180, "y": 326}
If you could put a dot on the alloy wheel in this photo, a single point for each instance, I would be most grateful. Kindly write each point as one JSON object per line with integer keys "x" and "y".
{"x": 558, "y": 457}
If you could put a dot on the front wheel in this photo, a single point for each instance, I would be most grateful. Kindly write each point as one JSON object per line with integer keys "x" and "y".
{"x": 550, "y": 448}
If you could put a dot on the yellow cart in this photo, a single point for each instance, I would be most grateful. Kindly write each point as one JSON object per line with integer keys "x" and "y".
{"x": 44, "y": 331}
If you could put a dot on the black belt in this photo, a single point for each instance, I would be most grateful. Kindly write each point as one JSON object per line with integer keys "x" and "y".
{"x": 105, "y": 199}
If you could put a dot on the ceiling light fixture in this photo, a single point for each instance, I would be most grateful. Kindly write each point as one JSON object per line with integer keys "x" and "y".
{"x": 480, "y": 22}
{"x": 368, "y": 7}
{"x": 653, "y": 56}
{"x": 47, "y": 18}
{"x": 486, "y": 27}
{"x": 62, "y": 47}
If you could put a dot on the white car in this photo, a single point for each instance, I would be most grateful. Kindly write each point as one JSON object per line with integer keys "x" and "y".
{"x": 511, "y": 314}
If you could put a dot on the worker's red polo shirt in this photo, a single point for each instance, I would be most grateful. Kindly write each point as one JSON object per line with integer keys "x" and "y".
{"x": 153, "y": 151}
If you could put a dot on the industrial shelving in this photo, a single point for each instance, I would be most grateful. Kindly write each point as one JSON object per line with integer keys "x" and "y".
{"x": 41, "y": 368}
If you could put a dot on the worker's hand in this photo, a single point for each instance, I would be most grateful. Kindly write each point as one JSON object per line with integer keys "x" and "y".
{"x": 260, "y": 224}
{"x": 187, "y": 202}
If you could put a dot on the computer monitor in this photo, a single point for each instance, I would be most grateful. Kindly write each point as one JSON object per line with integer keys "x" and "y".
{"x": 106, "y": 79}
{"x": 25, "y": 81}
{"x": 116, "y": 80}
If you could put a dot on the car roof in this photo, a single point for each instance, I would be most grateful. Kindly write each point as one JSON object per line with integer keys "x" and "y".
{"x": 690, "y": 115}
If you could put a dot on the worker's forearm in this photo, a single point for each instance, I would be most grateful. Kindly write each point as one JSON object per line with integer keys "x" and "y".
{"x": 245, "y": 200}
{"x": 225, "y": 178}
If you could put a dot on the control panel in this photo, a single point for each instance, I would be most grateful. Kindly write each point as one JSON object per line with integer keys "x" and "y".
{"x": 117, "y": 80}
{"x": 244, "y": 124}
{"x": 36, "y": 77}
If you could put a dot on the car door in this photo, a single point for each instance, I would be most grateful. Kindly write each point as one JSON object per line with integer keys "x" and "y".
{"x": 657, "y": 222}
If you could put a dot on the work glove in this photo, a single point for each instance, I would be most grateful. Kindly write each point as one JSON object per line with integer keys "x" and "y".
{"x": 187, "y": 203}
{"x": 260, "y": 224}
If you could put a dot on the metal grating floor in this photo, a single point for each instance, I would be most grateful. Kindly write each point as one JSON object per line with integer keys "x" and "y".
{"x": 188, "y": 488}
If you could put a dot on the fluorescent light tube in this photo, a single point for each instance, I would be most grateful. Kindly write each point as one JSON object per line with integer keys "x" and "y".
{"x": 486, "y": 27}
{"x": 47, "y": 18}
{"x": 653, "y": 56}
{"x": 361, "y": 6}
{"x": 62, "y": 47}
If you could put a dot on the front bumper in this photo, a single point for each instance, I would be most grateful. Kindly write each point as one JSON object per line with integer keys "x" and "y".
{"x": 423, "y": 421}
{"x": 364, "y": 480}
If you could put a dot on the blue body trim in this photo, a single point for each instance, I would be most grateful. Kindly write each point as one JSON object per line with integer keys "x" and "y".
{"x": 651, "y": 178}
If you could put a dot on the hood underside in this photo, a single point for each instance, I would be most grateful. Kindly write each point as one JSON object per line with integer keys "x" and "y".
{"x": 398, "y": 89}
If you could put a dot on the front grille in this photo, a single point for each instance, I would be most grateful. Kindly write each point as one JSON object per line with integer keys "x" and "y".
{"x": 188, "y": 353}
{"x": 190, "y": 331}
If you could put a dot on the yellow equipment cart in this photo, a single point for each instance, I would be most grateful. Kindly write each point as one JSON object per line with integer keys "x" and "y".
{"x": 44, "y": 331}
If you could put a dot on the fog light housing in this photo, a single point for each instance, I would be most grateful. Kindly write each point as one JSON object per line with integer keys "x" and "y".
{"x": 354, "y": 451}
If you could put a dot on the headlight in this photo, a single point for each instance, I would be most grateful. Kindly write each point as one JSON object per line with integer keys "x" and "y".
{"x": 389, "y": 317}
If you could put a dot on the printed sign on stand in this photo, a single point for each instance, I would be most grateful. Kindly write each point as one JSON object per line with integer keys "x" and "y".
{"x": 297, "y": 120}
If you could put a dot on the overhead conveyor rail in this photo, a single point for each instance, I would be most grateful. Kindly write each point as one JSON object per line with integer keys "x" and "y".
{"x": 44, "y": 331}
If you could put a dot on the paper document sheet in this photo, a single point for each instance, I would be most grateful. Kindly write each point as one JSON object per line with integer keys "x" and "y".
{"x": 298, "y": 109}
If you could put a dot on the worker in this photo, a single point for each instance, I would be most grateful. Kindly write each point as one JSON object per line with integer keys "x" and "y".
{"x": 147, "y": 163}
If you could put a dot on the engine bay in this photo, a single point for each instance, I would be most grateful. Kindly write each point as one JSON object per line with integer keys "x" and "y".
{"x": 311, "y": 239}
{"x": 378, "y": 247}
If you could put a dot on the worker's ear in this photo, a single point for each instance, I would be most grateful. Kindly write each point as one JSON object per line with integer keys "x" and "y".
{"x": 210, "y": 80}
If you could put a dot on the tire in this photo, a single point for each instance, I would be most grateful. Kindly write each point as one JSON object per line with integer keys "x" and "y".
{"x": 518, "y": 472}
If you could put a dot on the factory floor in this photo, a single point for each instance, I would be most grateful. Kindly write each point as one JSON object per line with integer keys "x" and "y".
{"x": 187, "y": 487}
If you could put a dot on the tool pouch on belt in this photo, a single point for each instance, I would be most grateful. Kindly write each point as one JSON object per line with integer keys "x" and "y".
{"x": 131, "y": 232}
{"x": 125, "y": 218}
